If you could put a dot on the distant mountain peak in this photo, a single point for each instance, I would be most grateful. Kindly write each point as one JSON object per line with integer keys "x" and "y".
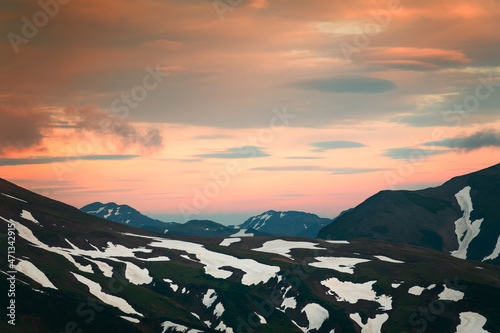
{"x": 288, "y": 223}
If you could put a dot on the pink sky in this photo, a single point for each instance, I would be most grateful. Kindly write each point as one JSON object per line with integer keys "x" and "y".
{"x": 141, "y": 103}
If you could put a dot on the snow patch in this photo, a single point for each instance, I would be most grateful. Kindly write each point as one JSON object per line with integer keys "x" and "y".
{"x": 229, "y": 241}
{"x": 465, "y": 230}
{"x": 340, "y": 264}
{"x": 396, "y": 284}
{"x": 337, "y": 241}
{"x": 316, "y": 315}
{"x": 96, "y": 290}
{"x": 261, "y": 318}
{"x": 172, "y": 284}
{"x": 495, "y": 253}
{"x": 27, "y": 216}
{"x": 209, "y": 298}
{"x": 353, "y": 292}
{"x": 12, "y": 197}
{"x": 288, "y": 303}
{"x": 137, "y": 275}
{"x": 219, "y": 310}
{"x": 222, "y": 327}
{"x": 31, "y": 271}
{"x": 96, "y": 211}
{"x": 373, "y": 325}
{"x": 173, "y": 327}
{"x": 416, "y": 290}
{"x": 106, "y": 269}
{"x": 109, "y": 213}
{"x": 450, "y": 295}
{"x": 471, "y": 322}
{"x": 254, "y": 272}
{"x": 242, "y": 233}
{"x": 132, "y": 320}
{"x": 283, "y": 247}
{"x": 387, "y": 259}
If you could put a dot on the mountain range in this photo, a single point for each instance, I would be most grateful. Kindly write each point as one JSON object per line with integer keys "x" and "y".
{"x": 68, "y": 271}
{"x": 289, "y": 223}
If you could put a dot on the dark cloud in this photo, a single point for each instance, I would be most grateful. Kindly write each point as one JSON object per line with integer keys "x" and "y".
{"x": 484, "y": 138}
{"x": 351, "y": 171}
{"x": 21, "y": 127}
{"x": 353, "y": 85}
{"x": 91, "y": 118}
{"x": 412, "y": 153}
{"x": 326, "y": 145}
{"x": 240, "y": 152}
{"x": 55, "y": 159}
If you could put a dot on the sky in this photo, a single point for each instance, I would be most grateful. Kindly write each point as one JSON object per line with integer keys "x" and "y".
{"x": 226, "y": 109}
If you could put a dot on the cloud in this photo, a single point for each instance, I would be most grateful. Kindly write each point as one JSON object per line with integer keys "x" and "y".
{"x": 55, "y": 159}
{"x": 240, "y": 152}
{"x": 126, "y": 134}
{"x": 210, "y": 137}
{"x": 21, "y": 127}
{"x": 292, "y": 168}
{"x": 353, "y": 85}
{"x": 327, "y": 145}
{"x": 413, "y": 58}
{"x": 352, "y": 171}
{"x": 335, "y": 171}
{"x": 484, "y": 138}
{"x": 412, "y": 153}
{"x": 303, "y": 158}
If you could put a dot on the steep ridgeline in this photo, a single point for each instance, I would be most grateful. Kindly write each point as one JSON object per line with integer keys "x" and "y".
{"x": 460, "y": 217}
{"x": 125, "y": 214}
{"x": 289, "y": 223}
{"x": 75, "y": 272}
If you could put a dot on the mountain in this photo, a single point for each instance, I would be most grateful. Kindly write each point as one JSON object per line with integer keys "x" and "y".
{"x": 125, "y": 214}
{"x": 75, "y": 272}
{"x": 460, "y": 217}
{"x": 269, "y": 223}
{"x": 207, "y": 228}
{"x": 290, "y": 223}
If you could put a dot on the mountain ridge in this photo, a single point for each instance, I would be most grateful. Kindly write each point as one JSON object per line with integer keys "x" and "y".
{"x": 428, "y": 217}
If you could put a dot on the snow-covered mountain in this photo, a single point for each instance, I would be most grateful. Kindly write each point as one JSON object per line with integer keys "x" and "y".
{"x": 269, "y": 223}
{"x": 460, "y": 217}
{"x": 125, "y": 214}
{"x": 288, "y": 223}
{"x": 73, "y": 272}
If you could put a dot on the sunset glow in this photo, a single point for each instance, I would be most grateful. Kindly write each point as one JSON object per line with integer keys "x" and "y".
{"x": 185, "y": 109}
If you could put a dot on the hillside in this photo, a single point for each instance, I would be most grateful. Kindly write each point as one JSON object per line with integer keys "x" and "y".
{"x": 80, "y": 272}
{"x": 460, "y": 217}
